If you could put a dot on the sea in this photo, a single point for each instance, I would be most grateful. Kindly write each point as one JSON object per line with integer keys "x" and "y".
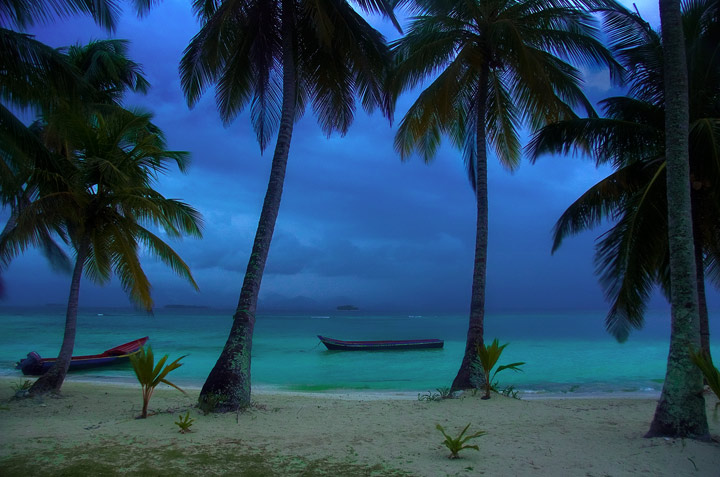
{"x": 565, "y": 353}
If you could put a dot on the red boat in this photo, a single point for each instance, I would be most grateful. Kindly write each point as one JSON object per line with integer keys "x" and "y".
{"x": 35, "y": 365}
{"x": 396, "y": 345}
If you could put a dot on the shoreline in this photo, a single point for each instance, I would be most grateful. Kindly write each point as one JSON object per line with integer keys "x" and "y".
{"x": 351, "y": 394}
{"x": 94, "y": 426}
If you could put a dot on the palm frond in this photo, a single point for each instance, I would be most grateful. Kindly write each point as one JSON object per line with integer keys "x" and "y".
{"x": 630, "y": 255}
{"x": 614, "y": 141}
{"x": 503, "y": 123}
{"x": 436, "y": 111}
{"x": 105, "y": 66}
{"x": 25, "y": 13}
{"x": 429, "y": 46}
{"x": 166, "y": 254}
{"x": 605, "y": 200}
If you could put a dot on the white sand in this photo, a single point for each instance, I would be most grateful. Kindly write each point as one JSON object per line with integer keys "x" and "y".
{"x": 558, "y": 437}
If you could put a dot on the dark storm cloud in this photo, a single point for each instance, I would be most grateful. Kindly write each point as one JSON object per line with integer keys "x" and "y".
{"x": 355, "y": 222}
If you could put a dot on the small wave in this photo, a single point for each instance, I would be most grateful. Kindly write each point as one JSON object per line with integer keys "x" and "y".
{"x": 320, "y": 317}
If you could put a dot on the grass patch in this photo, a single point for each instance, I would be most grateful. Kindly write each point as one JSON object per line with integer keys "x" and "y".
{"x": 228, "y": 458}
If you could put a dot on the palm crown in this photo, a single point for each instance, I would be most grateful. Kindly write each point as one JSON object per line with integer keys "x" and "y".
{"x": 97, "y": 194}
{"x": 510, "y": 51}
{"x": 336, "y": 55}
{"x": 79, "y": 78}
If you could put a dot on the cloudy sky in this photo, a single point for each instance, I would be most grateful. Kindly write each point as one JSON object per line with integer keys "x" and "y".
{"x": 356, "y": 224}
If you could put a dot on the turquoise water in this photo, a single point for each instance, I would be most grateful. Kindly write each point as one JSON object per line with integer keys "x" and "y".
{"x": 565, "y": 352}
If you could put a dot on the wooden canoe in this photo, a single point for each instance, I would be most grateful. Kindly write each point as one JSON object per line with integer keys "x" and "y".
{"x": 387, "y": 345}
{"x": 35, "y": 365}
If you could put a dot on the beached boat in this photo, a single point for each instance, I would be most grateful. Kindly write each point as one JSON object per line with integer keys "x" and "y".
{"x": 35, "y": 365}
{"x": 389, "y": 345}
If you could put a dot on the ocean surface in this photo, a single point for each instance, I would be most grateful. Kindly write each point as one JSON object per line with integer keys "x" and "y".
{"x": 566, "y": 353}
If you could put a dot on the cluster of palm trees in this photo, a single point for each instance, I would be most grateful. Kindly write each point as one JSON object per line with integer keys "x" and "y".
{"x": 493, "y": 67}
{"x": 84, "y": 170}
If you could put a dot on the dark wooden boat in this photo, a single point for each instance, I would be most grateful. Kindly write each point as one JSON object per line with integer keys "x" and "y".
{"x": 389, "y": 345}
{"x": 35, "y": 365}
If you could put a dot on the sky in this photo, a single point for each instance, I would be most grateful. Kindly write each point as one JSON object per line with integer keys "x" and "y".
{"x": 356, "y": 225}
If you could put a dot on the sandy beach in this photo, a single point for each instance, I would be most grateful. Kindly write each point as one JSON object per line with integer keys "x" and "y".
{"x": 91, "y": 429}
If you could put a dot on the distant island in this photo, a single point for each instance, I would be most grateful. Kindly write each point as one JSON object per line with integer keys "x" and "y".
{"x": 348, "y": 307}
{"x": 187, "y": 306}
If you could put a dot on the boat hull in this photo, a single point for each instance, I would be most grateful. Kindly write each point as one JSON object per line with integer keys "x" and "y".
{"x": 35, "y": 365}
{"x": 387, "y": 345}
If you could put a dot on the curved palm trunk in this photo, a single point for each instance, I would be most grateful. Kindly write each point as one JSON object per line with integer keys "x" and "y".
{"x": 52, "y": 380}
{"x": 227, "y": 387}
{"x": 681, "y": 409}
{"x": 470, "y": 374}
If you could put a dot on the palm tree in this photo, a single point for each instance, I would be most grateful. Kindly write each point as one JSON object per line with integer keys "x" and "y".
{"x": 499, "y": 65}
{"x": 277, "y": 57}
{"x": 96, "y": 195}
{"x": 633, "y": 255}
{"x": 33, "y": 76}
{"x": 84, "y": 75}
{"x": 681, "y": 409}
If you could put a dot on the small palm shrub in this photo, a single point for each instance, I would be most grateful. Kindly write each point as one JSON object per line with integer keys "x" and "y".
{"x": 711, "y": 373}
{"x": 488, "y": 357}
{"x": 456, "y": 444}
{"x": 150, "y": 374}
{"x": 184, "y": 422}
{"x": 22, "y": 389}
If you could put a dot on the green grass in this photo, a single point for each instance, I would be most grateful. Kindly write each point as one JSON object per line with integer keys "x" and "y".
{"x": 230, "y": 458}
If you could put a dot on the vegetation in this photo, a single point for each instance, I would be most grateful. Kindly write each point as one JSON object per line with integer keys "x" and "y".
{"x": 149, "y": 374}
{"x": 632, "y": 256}
{"x": 681, "y": 409}
{"x": 145, "y": 457}
{"x": 456, "y": 444}
{"x": 184, "y": 423}
{"x": 21, "y": 389}
{"x": 83, "y": 171}
{"x": 488, "y": 358}
{"x": 96, "y": 194}
{"x": 34, "y": 76}
{"x": 641, "y": 137}
{"x": 508, "y": 391}
{"x": 442, "y": 393}
{"x": 497, "y": 66}
{"x": 711, "y": 373}
{"x": 39, "y": 78}
{"x": 279, "y": 57}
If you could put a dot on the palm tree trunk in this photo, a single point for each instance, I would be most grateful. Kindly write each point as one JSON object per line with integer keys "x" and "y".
{"x": 228, "y": 386}
{"x": 470, "y": 373}
{"x": 681, "y": 409}
{"x": 52, "y": 380}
